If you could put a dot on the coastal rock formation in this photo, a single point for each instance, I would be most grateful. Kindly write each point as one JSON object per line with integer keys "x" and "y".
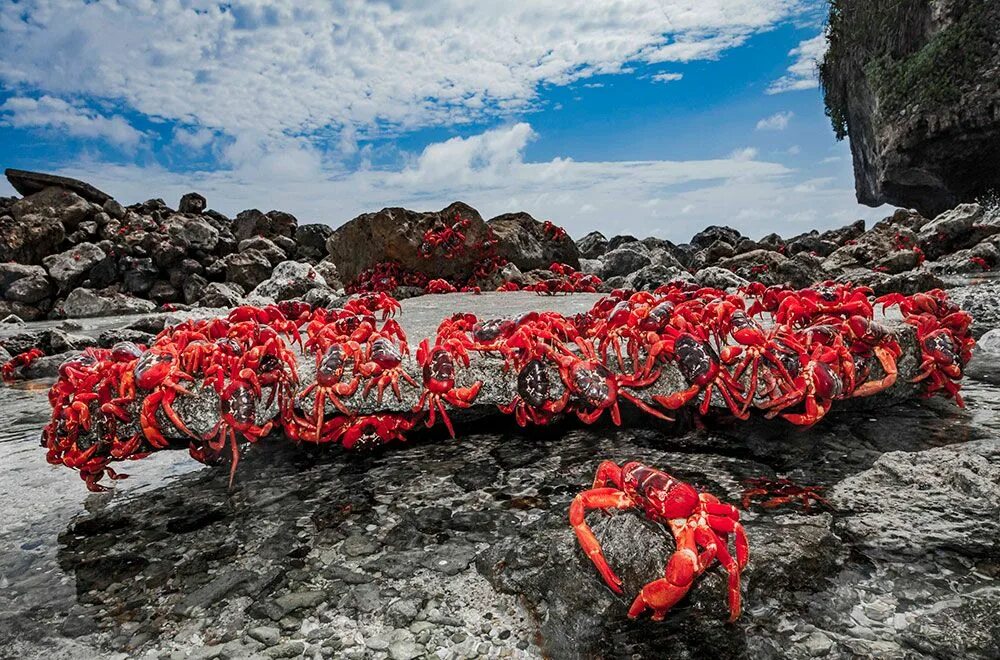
{"x": 916, "y": 87}
{"x": 64, "y": 238}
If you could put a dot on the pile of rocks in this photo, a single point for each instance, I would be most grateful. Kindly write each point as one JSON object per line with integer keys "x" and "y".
{"x": 74, "y": 251}
{"x": 903, "y": 253}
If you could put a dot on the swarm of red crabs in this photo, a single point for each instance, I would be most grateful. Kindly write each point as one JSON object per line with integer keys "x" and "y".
{"x": 775, "y": 350}
{"x": 348, "y": 376}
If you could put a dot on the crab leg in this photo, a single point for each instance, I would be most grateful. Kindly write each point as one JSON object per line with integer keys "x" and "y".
{"x": 597, "y": 498}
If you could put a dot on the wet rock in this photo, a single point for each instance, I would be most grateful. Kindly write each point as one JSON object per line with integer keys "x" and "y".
{"x": 109, "y": 338}
{"x": 449, "y": 559}
{"x": 192, "y": 202}
{"x": 592, "y": 246}
{"x": 950, "y": 230}
{"x": 28, "y": 183}
{"x": 221, "y": 586}
{"x": 84, "y": 303}
{"x": 310, "y": 241}
{"x": 62, "y": 342}
{"x": 247, "y": 269}
{"x": 396, "y": 234}
{"x": 47, "y": 366}
{"x": 964, "y": 627}
{"x": 290, "y": 279}
{"x": 523, "y": 241}
{"x": 934, "y": 493}
{"x": 622, "y": 262}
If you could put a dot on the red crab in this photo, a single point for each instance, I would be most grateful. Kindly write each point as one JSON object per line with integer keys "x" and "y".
{"x": 383, "y": 366}
{"x": 11, "y": 367}
{"x": 781, "y": 491}
{"x": 705, "y": 371}
{"x": 238, "y": 405}
{"x": 819, "y": 381}
{"x": 554, "y": 232}
{"x": 371, "y": 431}
{"x": 158, "y": 369}
{"x": 438, "y": 363}
{"x": 534, "y": 394}
{"x": 439, "y": 286}
{"x": 596, "y": 389}
{"x": 331, "y": 367}
{"x": 699, "y": 522}
{"x": 942, "y": 358}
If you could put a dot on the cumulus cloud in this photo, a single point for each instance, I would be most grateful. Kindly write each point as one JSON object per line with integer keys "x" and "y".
{"x": 745, "y": 153}
{"x": 667, "y": 77}
{"x": 306, "y": 68}
{"x": 802, "y": 74}
{"x": 671, "y": 199}
{"x": 776, "y": 122}
{"x": 51, "y": 113}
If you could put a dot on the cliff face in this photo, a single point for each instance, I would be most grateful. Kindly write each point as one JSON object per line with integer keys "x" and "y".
{"x": 915, "y": 84}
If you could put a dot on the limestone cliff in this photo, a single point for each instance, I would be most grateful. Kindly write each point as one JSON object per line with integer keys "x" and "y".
{"x": 915, "y": 84}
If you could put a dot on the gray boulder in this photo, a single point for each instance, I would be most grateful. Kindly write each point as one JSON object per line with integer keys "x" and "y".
{"x": 11, "y": 271}
{"x": 593, "y": 245}
{"x": 274, "y": 254}
{"x": 31, "y": 289}
{"x": 28, "y": 183}
{"x": 248, "y": 268}
{"x": 70, "y": 268}
{"x": 310, "y": 241}
{"x": 623, "y": 261}
{"x": 84, "y": 303}
{"x": 193, "y": 203}
{"x": 220, "y": 294}
{"x": 523, "y": 241}
{"x": 192, "y": 232}
{"x": 290, "y": 279}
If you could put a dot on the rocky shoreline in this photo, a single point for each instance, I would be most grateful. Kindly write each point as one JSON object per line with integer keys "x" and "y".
{"x": 75, "y": 252}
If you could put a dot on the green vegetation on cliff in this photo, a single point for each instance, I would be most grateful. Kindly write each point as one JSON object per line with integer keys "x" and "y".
{"x": 893, "y": 47}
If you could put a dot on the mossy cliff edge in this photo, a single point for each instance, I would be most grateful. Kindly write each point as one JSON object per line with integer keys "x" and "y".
{"x": 915, "y": 85}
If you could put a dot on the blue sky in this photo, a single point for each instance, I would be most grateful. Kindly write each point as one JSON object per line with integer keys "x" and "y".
{"x": 651, "y": 118}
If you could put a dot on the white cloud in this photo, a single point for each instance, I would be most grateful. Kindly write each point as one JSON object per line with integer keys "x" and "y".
{"x": 298, "y": 68}
{"x": 794, "y": 150}
{"x": 194, "y": 139}
{"x": 744, "y": 154}
{"x": 802, "y": 74}
{"x": 776, "y": 122}
{"x": 667, "y": 77}
{"x": 831, "y": 159}
{"x": 50, "y": 113}
{"x": 673, "y": 199}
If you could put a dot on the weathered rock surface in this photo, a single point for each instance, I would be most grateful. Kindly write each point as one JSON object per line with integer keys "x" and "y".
{"x": 28, "y": 183}
{"x": 84, "y": 303}
{"x": 523, "y": 241}
{"x": 915, "y": 86}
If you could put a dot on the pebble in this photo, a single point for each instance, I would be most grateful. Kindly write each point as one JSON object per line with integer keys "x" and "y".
{"x": 286, "y": 650}
{"x": 818, "y": 644}
{"x": 377, "y": 643}
{"x": 405, "y": 650}
{"x": 267, "y": 635}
